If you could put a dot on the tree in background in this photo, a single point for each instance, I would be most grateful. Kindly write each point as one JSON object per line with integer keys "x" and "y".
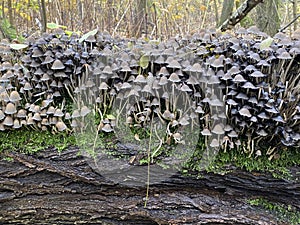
{"x": 267, "y": 17}
{"x": 140, "y": 24}
{"x": 159, "y": 19}
{"x": 43, "y": 15}
{"x": 227, "y": 9}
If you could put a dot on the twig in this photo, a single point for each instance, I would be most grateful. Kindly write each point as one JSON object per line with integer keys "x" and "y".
{"x": 290, "y": 23}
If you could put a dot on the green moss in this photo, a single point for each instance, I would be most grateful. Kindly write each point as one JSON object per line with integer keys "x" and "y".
{"x": 31, "y": 141}
{"x": 278, "y": 167}
{"x": 91, "y": 142}
{"x": 285, "y": 213}
{"x": 226, "y": 161}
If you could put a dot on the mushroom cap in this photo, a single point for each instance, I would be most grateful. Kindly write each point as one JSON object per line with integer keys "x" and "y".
{"x": 45, "y": 121}
{"x": 37, "y": 117}
{"x": 214, "y": 143}
{"x": 249, "y": 85}
{"x": 103, "y": 86}
{"x": 57, "y": 65}
{"x": 50, "y": 110}
{"x": 75, "y": 114}
{"x": 140, "y": 79}
{"x": 245, "y": 112}
{"x": 174, "y": 78}
{"x": 218, "y": 129}
{"x": 74, "y": 123}
{"x": 8, "y": 121}
{"x": 61, "y": 126}
{"x": 17, "y": 124}
{"x": 125, "y": 85}
{"x": 217, "y": 63}
{"x": 45, "y": 77}
{"x": 174, "y": 64}
{"x": 163, "y": 80}
{"x": 184, "y": 121}
{"x": 257, "y": 74}
{"x": 239, "y": 78}
{"x": 107, "y": 128}
{"x": 206, "y": 132}
{"x": 232, "y": 134}
{"x": 196, "y": 68}
{"x": 68, "y": 116}
{"x": 59, "y": 113}
{"x": 168, "y": 115}
{"x": 84, "y": 111}
{"x": 27, "y": 86}
{"x": 53, "y": 120}
{"x": 177, "y": 135}
{"x": 185, "y": 88}
{"x": 10, "y": 109}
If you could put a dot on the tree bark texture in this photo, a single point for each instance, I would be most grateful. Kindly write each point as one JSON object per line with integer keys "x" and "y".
{"x": 239, "y": 14}
{"x": 267, "y": 18}
{"x": 140, "y": 20}
{"x": 61, "y": 188}
{"x": 10, "y": 12}
{"x": 43, "y": 15}
{"x": 227, "y": 9}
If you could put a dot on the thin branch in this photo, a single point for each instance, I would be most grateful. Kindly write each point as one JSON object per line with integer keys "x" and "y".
{"x": 290, "y": 23}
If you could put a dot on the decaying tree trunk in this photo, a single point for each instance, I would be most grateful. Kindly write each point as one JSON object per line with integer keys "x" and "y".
{"x": 53, "y": 188}
{"x": 239, "y": 14}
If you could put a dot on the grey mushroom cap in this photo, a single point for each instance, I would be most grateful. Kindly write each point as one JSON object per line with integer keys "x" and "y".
{"x": 57, "y": 65}
{"x": 10, "y": 109}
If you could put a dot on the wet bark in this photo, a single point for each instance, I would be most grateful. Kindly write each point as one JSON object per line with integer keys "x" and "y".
{"x": 61, "y": 188}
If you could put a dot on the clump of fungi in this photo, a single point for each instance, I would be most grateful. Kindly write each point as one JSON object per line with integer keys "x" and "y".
{"x": 241, "y": 89}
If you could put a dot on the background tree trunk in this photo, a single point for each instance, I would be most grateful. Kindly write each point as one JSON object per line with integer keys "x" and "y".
{"x": 227, "y": 9}
{"x": 295, "y": 6}
{"x": 43, "y": 15}
{"x": 61, "y": 188}
{"x": 141, "y": 17}
{"x": 10, "y": 12}
{"x": 267, "y": 18}
{"x": 216, "y": 12}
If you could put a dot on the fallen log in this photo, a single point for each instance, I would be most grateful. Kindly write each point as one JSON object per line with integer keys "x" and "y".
{"x": 61, "y": 188}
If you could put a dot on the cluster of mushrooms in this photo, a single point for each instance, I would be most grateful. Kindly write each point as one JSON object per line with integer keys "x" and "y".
{"x": 236, "y": 90}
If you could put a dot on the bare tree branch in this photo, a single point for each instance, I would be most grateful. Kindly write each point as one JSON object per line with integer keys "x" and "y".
{"x": 239, "y": 14}
{"x": 290, "y": 23}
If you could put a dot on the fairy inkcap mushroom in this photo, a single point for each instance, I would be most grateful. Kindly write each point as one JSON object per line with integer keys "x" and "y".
{"x": 61, "y": 126}
{"x": 14, "y": 97}
{"x": 57, "y": 65}
{"x": 10, "y": 109}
